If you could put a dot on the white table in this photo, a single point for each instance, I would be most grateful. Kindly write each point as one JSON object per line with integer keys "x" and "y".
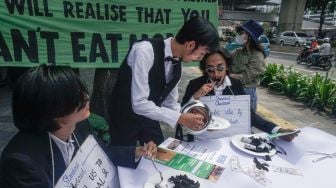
{"x": 320, "y": 174}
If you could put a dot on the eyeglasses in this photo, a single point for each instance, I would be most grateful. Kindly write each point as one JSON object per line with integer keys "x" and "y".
{"x": 211, "y": 69}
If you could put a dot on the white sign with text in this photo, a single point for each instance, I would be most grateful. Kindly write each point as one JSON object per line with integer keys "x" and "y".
{"x": 89, "y": 168}
{"x": 235, "y": 109}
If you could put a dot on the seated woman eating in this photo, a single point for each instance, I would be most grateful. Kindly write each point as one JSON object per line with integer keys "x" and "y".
{"x": 215, "y": 81}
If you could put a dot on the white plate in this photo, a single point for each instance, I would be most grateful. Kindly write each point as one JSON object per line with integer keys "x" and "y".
{"x": 218, "y": 123}
{"x": 155, "y": 178}
{"x": 236, "y": 141}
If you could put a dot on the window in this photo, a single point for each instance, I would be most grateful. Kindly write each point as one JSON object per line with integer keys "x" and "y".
{"x": 263, "y": 39}
{"x": 287, "y": 34}
{"x": 301, "y": 34}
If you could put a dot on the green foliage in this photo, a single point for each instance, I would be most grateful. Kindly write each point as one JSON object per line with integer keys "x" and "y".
{"x": 308, "y": 94}
{"x": 333, "y": 43}
{"x": 329, "y": 5}
{"x": 317, "y": 91}
{"x": 292, "y": 83}
{"x": 280, "y": 77}
{"x": 325, "y": 95}
{"x": 283, "y": 80}
{"x": 100, "y": 127}
{"x": 269, "y": 75}
{"x": 325, "y": 6}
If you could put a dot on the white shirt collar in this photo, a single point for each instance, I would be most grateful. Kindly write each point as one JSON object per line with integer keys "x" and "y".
{"x": 167, "y": 49}
{"x": 226, "y": 82}
{"x": 67, "y": 148}
{"x": 219, "y": 89}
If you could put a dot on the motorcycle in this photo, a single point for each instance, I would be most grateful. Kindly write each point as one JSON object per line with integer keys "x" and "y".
{"x": 304, "y": 54}
{"x": 323, "y": 61}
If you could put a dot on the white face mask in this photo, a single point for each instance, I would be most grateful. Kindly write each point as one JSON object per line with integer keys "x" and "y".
{"x": 241, "y": 39}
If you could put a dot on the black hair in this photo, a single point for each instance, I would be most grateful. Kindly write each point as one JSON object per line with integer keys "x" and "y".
{"x": 199, "y": 30}
{"x": 254, "y": 46}
{"x": 45, "y": 93}
{"x": 221, "y": 51}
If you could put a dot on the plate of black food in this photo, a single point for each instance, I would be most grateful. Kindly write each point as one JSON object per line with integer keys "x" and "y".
{"x": 173, "y": 179}
{"x": 254, "y": 144}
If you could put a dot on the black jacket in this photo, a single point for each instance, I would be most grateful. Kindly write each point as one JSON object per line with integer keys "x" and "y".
{"x": 26, "y": 160}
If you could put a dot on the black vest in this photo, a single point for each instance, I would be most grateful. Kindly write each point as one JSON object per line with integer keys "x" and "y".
{"x": 120, "y": 107}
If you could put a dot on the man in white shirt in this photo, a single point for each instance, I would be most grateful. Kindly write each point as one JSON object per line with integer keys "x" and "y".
{"x": 146, "y": 90}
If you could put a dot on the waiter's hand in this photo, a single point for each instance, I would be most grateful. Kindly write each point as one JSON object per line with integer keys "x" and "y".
{"x": 192, "y": 121}
{"x": 204, "y": 90}
{"x": 148, "y": 150}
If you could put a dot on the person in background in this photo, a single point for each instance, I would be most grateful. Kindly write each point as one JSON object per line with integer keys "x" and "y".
{"x": 323, "y": 50}
{"x": 50, "y": 109}
{"x": 146, "y": 90}
{"x": 215, "y": 80}
{"x": 314, "y": 45}
{"x": 249, "y": 61}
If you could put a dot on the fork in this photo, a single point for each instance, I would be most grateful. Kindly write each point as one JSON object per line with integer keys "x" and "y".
{"x": 333, "y": 155}
{"x": 158, "y": 184}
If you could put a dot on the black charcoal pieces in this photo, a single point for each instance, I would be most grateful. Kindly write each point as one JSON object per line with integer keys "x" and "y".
{"x": 257, "y": 144}
{"x": 182, "y": 181}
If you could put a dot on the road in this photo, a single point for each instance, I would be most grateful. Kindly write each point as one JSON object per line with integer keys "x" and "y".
{"x": 289, "y": 59}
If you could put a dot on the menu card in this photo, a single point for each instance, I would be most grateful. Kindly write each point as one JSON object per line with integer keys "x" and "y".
{"x": 191, "y": 158}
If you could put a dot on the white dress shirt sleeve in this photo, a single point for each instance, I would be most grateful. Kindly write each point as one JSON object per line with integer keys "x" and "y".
{"x": 141, "y": 59}
{"x": 171, "y": 101}
{"x": 275, "y": 130}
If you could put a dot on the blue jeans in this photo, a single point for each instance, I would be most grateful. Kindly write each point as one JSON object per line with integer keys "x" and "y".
{"x": 314, "y": 57}
{"x": 253, "y": 97}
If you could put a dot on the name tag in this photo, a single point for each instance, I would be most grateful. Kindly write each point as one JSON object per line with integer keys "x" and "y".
{"x": 235, "y": 109}
{"x": 89, "y": 168}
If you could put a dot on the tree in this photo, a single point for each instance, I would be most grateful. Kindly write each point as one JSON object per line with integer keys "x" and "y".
{"x": 325, "y": 6}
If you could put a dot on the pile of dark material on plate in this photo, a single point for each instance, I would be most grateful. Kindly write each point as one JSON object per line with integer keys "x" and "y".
{"x": 257, "y": 144}
{"x": 182, "y": 181}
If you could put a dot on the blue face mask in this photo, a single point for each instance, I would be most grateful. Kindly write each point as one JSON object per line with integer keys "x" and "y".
{"x": 240, "y": 39}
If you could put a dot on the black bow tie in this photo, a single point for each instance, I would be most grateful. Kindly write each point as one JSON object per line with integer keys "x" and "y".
{"x": 173, "y": 60}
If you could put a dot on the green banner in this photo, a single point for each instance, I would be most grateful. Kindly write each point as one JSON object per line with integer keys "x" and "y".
{"x": 87, "y": 33}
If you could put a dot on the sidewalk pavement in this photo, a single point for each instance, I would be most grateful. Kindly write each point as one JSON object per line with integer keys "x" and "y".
{"x": 280, "y": 108}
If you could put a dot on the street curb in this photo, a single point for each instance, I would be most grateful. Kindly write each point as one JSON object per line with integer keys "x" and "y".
{"x": 279, "y": 121}
{"x": 284, "y": 52}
